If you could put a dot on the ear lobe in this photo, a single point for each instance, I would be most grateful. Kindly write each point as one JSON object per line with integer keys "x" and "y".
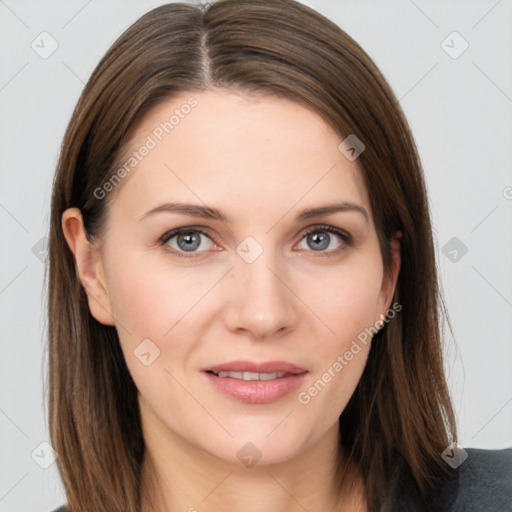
{"x": 89, "y": 265}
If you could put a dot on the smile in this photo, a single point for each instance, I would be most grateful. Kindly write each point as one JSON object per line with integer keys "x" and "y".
{"x": 251, "y": 375}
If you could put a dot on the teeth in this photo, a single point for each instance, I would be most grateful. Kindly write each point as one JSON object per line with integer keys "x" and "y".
{"x": 252, "y": 376}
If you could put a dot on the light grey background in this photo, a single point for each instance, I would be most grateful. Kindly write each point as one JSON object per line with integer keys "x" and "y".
{"x": 459, "y": 110}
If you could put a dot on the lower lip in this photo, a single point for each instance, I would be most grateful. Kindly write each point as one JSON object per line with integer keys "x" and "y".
{"x": 257, "y": 391}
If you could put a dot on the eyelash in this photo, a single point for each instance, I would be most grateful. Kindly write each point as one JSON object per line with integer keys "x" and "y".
{"x": 347, "y": 239}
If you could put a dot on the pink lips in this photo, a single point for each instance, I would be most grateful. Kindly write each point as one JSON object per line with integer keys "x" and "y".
{"x": 256, "y": 391}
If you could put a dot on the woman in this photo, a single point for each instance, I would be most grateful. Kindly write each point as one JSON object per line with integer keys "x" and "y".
{"x": 244, "y": 310}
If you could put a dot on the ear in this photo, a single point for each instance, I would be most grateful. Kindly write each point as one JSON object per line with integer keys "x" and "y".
{"x": 89, "y": 266}
{"x": 389, "y": 282}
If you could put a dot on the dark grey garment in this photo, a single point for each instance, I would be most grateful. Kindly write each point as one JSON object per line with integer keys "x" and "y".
{"x": 482, "y": 483}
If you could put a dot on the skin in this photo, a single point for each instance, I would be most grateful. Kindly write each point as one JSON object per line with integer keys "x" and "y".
{"x": 260, "y": 161}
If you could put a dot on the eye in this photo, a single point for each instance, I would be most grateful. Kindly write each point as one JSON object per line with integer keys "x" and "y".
{"x": 320, "y": 239}
{"x": 187, "y": 240}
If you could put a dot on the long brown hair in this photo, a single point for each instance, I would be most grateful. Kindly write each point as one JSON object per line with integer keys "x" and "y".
{"x": 400, "y": 418}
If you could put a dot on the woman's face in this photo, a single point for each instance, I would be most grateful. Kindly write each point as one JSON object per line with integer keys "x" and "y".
{"x": 245, "y": 281}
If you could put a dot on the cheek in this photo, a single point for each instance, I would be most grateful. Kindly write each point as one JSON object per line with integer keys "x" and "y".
{"x": 149, "y": 299}
{"x": 348, "y": 301}
{"x": 348, "y": 307}
{"x": 149, "y": 304}
{"x": 161, "y": 304}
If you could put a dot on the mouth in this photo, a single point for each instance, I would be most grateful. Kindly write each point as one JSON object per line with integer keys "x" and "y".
{"x": 254, "y": 367}
{"x": 247, "y": 376}
{"x": 256, "y": 383}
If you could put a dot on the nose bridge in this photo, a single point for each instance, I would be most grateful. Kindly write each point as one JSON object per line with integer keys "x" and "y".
{"x": 259, "y": 278}
{"x": 262, "y": 302}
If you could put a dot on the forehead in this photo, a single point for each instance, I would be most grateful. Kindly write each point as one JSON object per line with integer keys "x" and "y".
{"x": 221, "y": 147}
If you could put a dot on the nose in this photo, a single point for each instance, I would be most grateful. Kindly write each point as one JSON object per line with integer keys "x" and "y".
{"x": 261, "y": 301}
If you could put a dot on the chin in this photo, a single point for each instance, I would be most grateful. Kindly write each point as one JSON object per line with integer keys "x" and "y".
{"x": 256, "y": 447}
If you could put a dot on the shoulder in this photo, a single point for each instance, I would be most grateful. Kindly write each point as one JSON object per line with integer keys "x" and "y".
{"x": 61, "y": 509}
{"x": 481, "y": 483}
{"x": 485, "y": 481}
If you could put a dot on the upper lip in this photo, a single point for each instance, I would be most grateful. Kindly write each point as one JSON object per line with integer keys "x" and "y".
{"x": 256, "y": 367}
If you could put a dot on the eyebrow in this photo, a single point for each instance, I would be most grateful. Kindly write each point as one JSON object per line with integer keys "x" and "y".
{"x": 205, "y": 212}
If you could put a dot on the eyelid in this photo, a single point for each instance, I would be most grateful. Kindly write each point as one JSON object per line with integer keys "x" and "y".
{"x": 177, "y": 231}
